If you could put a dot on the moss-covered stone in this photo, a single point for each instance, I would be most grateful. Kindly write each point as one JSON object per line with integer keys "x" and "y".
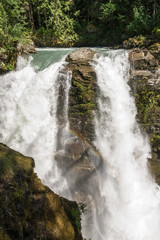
{"x": 30, "y": 210}
{"x": 82, "y": 99}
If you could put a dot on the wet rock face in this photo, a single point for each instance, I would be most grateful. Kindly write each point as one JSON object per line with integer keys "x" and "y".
{"x": 74, "y": 146}
{"x": 78, "y": 163}
{"x": 145, "y": 84}
{"x": 30, "y": 210}
{"x": 82, "y": 97}
{"x": 143, "y": 60}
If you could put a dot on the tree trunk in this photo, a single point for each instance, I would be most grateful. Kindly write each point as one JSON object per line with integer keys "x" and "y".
{"x": 154, "y": 9}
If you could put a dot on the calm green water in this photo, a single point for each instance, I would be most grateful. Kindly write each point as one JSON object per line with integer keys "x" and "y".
{"x": 47, "y": 56}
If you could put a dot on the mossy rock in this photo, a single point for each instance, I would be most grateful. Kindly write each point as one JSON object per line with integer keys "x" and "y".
{"x": 30, "y": 210}
{"x": 82, "y": 97}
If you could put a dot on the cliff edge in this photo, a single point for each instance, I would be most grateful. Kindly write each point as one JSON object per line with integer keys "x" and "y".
{"x": 30, "y": 210}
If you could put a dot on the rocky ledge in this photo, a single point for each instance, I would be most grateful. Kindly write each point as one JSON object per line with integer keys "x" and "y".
{"x": 30, "y": 210}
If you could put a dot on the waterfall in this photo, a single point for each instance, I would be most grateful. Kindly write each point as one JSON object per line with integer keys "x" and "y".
{"x": 34, "y": 121}
{"x": 131, "y": 199}
{"x": 29, "y": 124}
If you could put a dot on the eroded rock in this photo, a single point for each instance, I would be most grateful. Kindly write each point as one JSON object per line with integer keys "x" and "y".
{"x": 74, "y": 146}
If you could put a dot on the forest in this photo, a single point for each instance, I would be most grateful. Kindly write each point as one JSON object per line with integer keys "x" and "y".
{"x": 77, "y": 22}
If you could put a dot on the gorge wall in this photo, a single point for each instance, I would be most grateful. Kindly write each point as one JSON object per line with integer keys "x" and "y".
{"x": 145, "y": 85}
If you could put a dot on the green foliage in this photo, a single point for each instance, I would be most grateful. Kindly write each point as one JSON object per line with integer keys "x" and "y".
{"x": 156, "y": 31}
{"x": 3, "y": 20}
{"x": 63, "y": 25}
{"x": 141, "y": 22}
{"x": 76, "y": 214}
{"x": 65, "y": 22}
{"x": 107, "y": 9}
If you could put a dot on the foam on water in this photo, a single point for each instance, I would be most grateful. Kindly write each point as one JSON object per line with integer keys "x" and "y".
{"x": 131, "y": 209}
{"x": 28, "y": 103}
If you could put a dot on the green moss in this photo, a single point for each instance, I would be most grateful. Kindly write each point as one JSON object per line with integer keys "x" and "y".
{"x": 19, "y": 194}
{"x": 147, "y": 105}
{"x": 155, "y": 141}
{"x": 6, "y": 165}
{"x": 76, "y": 215}
{"x": 84, "y": 92}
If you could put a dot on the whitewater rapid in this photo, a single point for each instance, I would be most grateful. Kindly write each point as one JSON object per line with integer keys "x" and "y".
{"x": 28, "y": 124}
{"x": 131, "y": 209}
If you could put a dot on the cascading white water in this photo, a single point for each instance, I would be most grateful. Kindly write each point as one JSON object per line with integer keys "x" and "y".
{"x": 131, "y": 207}
{"x": 28, "y": 105}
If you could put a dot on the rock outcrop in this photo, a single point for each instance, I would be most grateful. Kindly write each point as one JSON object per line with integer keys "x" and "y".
{"x": 25, "y": 47}
{"x": 8, "y": 57}
{"x": 30, "y": 210}
{"x": 145, "y": 84}
{"x": 82, "y": 99}
{"x": 76, "y": 155}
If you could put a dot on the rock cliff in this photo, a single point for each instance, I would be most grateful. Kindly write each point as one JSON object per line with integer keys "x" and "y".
{"x": 30, "y": 210}
{"x": 82, "y": 99}
{"x": 145, "y": 84}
